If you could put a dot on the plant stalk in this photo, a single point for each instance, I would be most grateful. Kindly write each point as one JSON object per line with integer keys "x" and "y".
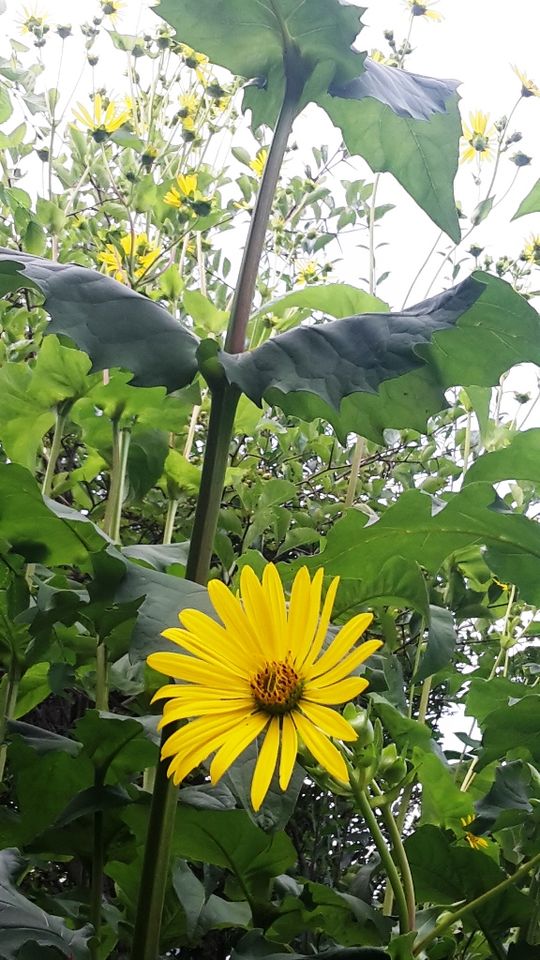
{"x": 59, "y": 425}
{"x": 9, "y": 687}
{"x": 96, "y": 887}
{"x": 102, "y": 677}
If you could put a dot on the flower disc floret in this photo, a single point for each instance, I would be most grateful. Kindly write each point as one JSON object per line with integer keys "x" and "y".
{"x": 263, "y": 671}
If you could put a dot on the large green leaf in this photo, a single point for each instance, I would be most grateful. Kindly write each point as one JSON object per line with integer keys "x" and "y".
{"x": 512, "y": 730}
{"x": 441, "y": 643}
{"x": 113, "y": 324}
{"x": 41, "y": 535}
{"x": 520, "y": 460}
{"x": 427, "y": 531}
{"x": 408, "y": 126}
{"x": 335, "y": 299}
{"x": 256, "y": 947}
{"x": 21, "y": 921}
{"x": 310, "y": 371}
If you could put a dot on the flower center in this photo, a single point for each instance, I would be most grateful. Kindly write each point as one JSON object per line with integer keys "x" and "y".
{"x": 276, "y": 688}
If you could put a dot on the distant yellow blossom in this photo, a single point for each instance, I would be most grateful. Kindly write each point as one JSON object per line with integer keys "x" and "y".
{"x": 101, "y": 122}
{"x": 477, "y": 137}
{"x": 259, "y": 162}
{"x": 189, "y": 102}
{"x": 475, "y": 842}
{"x": 528, "y": 87}
{"x": 117, "y": 260}
{"x": 423, "y": 9}
{"x": 111, "y": 8}
{"x": 531, "y": 251}
{"x": 33, "y": 21}
{"x": 309, "y": 272}
{"x": 187, "y": 189}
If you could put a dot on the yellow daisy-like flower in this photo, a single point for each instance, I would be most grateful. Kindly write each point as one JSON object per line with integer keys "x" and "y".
{"x": 423, "y": 9}
{"x": 101, "y": 122}
{"x": 187, "y": 188}
{"x": 309, "y": 272}
{"x": 34, "y": 22}
{"x": 115, "y": 260}
{"x": 111, "y": 8}
{"x": 476, "y": 843}
{"x": 262, "y": 670}
{"x": 477, "y": 137}
{"x": 259, "y": 162}
{"x": 531, "y": 251}
{"x": 189, "y": 102}
{"x": 528, "y": 87}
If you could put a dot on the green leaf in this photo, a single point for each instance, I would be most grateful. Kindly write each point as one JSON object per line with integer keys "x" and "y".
{"x": 116, "y": 745}
{"x": 507, "y": 802}
{"x": 311, "y": 370}
{"x": 24, "y": 418}
{"x": 41, "y": 535}
{"x": 5, "y": 104}
{"x": 345, "y": 918}
{"x": 421, "y": 154}
{"x": 159, "y": 556}
{"x": 512, "y": 731}
{"x": 204, "y": 313}
{"x": 530, "y": 203}
{"x": 21, "y": 921}
{"x": 441, "y": 643}
{"x": 336, "y": 299}
{"x": 443, "y": 803}
{"x": 256, "y": 947}
{"x": 427, "y": 531}
{"x": 113, "y": 324}
{"x": 485, "y": 696}
{"x": 398, "y": 582}
{"x": 35, "y": 239}
{"x": 520, "y": 460}
{"x": 446, "y": 873}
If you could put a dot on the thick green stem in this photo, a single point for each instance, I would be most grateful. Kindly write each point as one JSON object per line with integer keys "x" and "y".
{"x": 125, "y": 439}
{"x": 102, "y": 677}
{"x": 243, "y": 297}
{"x": 402, "y": 862}
{"x": 96, "y": 888}
{"x": 108, "y": 520}
{"x": 8, "y": 701}
{"x": 473, "y": 905}
{"x": 364, "y": 807}
{"x": 169, "y": 522}
{"x": 59, "y": 425}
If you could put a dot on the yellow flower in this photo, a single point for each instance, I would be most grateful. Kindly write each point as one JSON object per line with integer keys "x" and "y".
{"x": 33, "y": 22}
{"x": 423, "y": 9}
{"x": 261, "y": 671}
{"x": 117, "y": 259}
{"x": 187, "y": 187}
{"x": 189, "y": 102}
{"x": 477, "y": 138}
{"x": 477, "y": 843}
{"x": 188, "y": 124}
{"x": 259, "y": 162}
{"x": 531, "y": 252}
{"x": 308, "y": 273}
{"x": 101, "y": 122}
{"x": 111, "y": 8}
{"x": 528, "y": 87}
{"x": 378, "y": 57}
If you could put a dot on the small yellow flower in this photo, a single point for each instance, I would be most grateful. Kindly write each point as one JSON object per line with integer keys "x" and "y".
{"x": 189, "y": 102}
{"x": 33, "y": 21}
{"x": 309, "y": 272}
{"x": 378, "y": 57}
{"x": 102, "y": 122}
{"x": 528, "y": 87}
{"x": 116, "y": 260}
{"x": 423, "y": 9}
{"x": 111, "y": 8}
{"x": 476, "y": 843}
{"x": 187, "y": 188}
{"x": 262, "y": 670}
{"x": 531, "y": 251}
{"x": 188, "y": 124}
{"x": 259, "y": 162}
{"x": 477, "y": 138}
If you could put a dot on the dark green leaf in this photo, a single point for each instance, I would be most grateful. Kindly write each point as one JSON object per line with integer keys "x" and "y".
{"x": 116, "y": 745}
{"x": 21, "y": 921}
{"x": 507, "y": 802}
{"x": 512, "y": 732}
{"x": 91, "y": 800}
{"x": 158, "y": 556}
{"x": 43, "y": 741}
{"x": 441, "y": 643}
{"x": 113, "y": 324}
{"x": 345, "y": 918}
{"x": 397, "y": 582}
{"x": 520, "y": 460}
{"x": 485, "y": 696}
{"x": 255, "y": 947}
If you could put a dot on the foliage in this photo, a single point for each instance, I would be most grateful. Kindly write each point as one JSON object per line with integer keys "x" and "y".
{"x": 140, "y": 452}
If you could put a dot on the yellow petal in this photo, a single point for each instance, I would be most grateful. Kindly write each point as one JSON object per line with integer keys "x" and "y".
{"x": 329, "y": 721}
{"x": 208, "y": 644}
{"x": 178, "y": 710}
{"x": 319, "y": 745}
{"x": 341, "y": 645}
{"x": 193, "y": 692}
{"x": 266, "y": 764}
{"x": 230, "y": 612}
{"x": 239, "y": 738}
{"x": 273, "y": 589}
{"x": 289, "y": 749}
{"x": 349, "y": 664}
{"x": 197, "y": 732}
{"x": 258, "y": 610}
{"x": 304, "y": 609}
{"x": 324, "y": 622}
{"x": 194, "y": 671}
{"x": 336, "y": 692}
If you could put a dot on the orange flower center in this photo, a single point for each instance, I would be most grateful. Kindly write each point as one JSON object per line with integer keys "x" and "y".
{"x": 276, "y": 688}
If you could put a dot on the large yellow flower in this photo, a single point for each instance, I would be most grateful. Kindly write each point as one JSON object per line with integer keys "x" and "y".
{"x": 262, "y": 670}
{"x": 477, "y": 137}
{"x": 101, "y": 122}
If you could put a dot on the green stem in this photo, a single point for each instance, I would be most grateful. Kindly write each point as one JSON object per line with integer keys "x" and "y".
{"x": 125, "y": 439}
{"x": 59, "y": 425}
{"x": 96, "y": 888}
{"x": 475, "y": 904}
{"x": 243, "y": 297}
{"x": 102, "y": 677}
{"x": 357, "y": 457}
{"x": 9, "y": 687}
{"x": 364, "y": 807}
{"x": 402, "y": 862}
{"x": 169, "y": 521}
{"x": 108, "y": 520}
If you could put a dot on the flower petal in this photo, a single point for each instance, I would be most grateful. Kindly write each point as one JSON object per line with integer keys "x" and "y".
{"x": 304, "y": 607}
{"x": 266, "y": 764}
{"x": 319, "y": 745}
{"x": 334, "y": 693}
{"x": 206, "y": 639}
{"x": 239, "y": 738}
{"x": 329, "y": 721}
{"x": 275, "y": 597}
{"x": 341, "y": 645}
{"x": 349, "y": 664}
{"x": 179, "y": 710}
{"x": 324, "y": 622}
{"x": 258, "y": 610}
{"x": 230, "y": 612}
{"x": 195, "y": 671}
{"x": 289, "y": 749}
